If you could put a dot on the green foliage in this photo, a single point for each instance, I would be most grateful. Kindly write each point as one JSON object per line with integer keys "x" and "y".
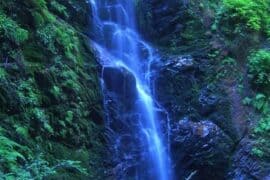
{"x": 56, "y": 91}
{"x": 69, "y": 116}
{"x": 251, "y": 15}
{"x": 41, "y": 119}
{"x": 11, "y": 30}
{"x": 71, "y": 80}
{"x": 9, "y": 153}
{"x": 2, "y": 73}
{"x": 260, "y": 102}
{"x": 38, "y": 168}
{"x": 59, "y": 37}
{"x": 69, "y": 164}
{"x": 28, "y": 93}
{"x": 34, "y": 37}
{"x": 59, "y": 8}
{"x": 68, "y": 39}
{"x": 227, "y": 69}
{"x": 39, "y": 114}
{"x": 41, "y": 13}
{"x": 259, "y": 68}
{"x": 262, "y": 134}
{"x": 22, "y": 131}
{"x": 39, "y": 4}
{"x": 47, "y": 35}
{"x": 263, "y": 126}
{"x": 257, "y": 152}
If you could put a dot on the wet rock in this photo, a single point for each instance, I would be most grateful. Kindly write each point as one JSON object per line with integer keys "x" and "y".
{"x": 120, "y": 81}
{"x": 208, "y": 101}
{"x": 179, "y": 63}
{"x": 174, "y": 83}
{"x": 163, "y": 21}
{"x": 202, "y": 147}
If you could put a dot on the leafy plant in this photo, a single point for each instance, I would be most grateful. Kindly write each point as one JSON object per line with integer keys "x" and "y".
{"x": 10, "y": 29}
{"x": 59, "y": 8}
{"x": 2, "y": 73}
{"x": 259, "y": 68}
{"x": 27, "y": 92}
{"x": 47, "y": 35}
{"x": 9, "y": 152}
{"x": 262, "y": 145}
{"x": 254, "y": 14}
{"x": 38, "y": 169}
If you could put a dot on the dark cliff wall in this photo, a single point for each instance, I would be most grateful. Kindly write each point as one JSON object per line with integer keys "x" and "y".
{"x": 206, "y": 49}
{"x": 50, "y": 100}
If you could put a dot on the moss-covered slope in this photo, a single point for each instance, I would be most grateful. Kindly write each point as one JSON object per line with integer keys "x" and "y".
{"x": 50, "y": 105}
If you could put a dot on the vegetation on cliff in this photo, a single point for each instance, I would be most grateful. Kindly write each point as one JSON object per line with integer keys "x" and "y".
{"x": 51, "y": 115}
{"x": 230, "y": 42}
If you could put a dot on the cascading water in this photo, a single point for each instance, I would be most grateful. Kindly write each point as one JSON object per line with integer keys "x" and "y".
{"x": 137, "y": 138}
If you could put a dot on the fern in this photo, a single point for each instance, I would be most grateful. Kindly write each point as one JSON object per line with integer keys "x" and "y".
{"x": 9, "y": 153}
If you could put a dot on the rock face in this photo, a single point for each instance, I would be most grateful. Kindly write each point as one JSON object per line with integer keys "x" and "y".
{"x": 185, "y": 86}
{"x": 123, "y": 140}
{"x": 120, "y": 81}
{"x": 200, "y": 147}
{"x": 162, "y": 18}
{"x": 245, "y": 166}
{"x": 173, "y": 80}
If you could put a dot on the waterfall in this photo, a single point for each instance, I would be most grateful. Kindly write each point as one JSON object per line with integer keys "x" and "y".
{"x": 136, "y": 130}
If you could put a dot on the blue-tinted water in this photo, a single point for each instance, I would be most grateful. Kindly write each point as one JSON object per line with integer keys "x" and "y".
{"x": 118, "y": 41}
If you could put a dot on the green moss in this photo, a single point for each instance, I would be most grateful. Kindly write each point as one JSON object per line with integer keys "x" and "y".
{"x": 67, "y": 37}
{"x": 9, "y": 153}
{"x": 48, "y": 128}
{"x": 40, "y": 38}
{"x": 38, "y": 18}
{"x": 61, "y": 37}
{"x": 22, "y": 131}
{"x": 34, "y": 53}
{"x": 56, "y": 91}
{"x": 39, "y": 114}
{"x": 2, "y": 73}
{"x": 263, "y": 126}
{"x": 257, "y": 152}
{"x": 259, "y": 68}
{"x": 228, "y": 69}
{"x": 245, "y": 15}
{"x": 47, "y": 36}
{"x": 259, "y": 71}
{"x": 261, "y": 134}
{"x": 69, "y": 116}
{"x": 59, "y": 8}
{"x": 40, "y": 6}
{"x": 28, "y": 93}
{"x": 10, "y": 29}
{"x": 71, "y": 80}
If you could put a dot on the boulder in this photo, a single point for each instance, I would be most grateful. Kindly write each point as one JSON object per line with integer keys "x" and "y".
{"x": 120, "y": 81}
{"x": 200, "y": 147}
